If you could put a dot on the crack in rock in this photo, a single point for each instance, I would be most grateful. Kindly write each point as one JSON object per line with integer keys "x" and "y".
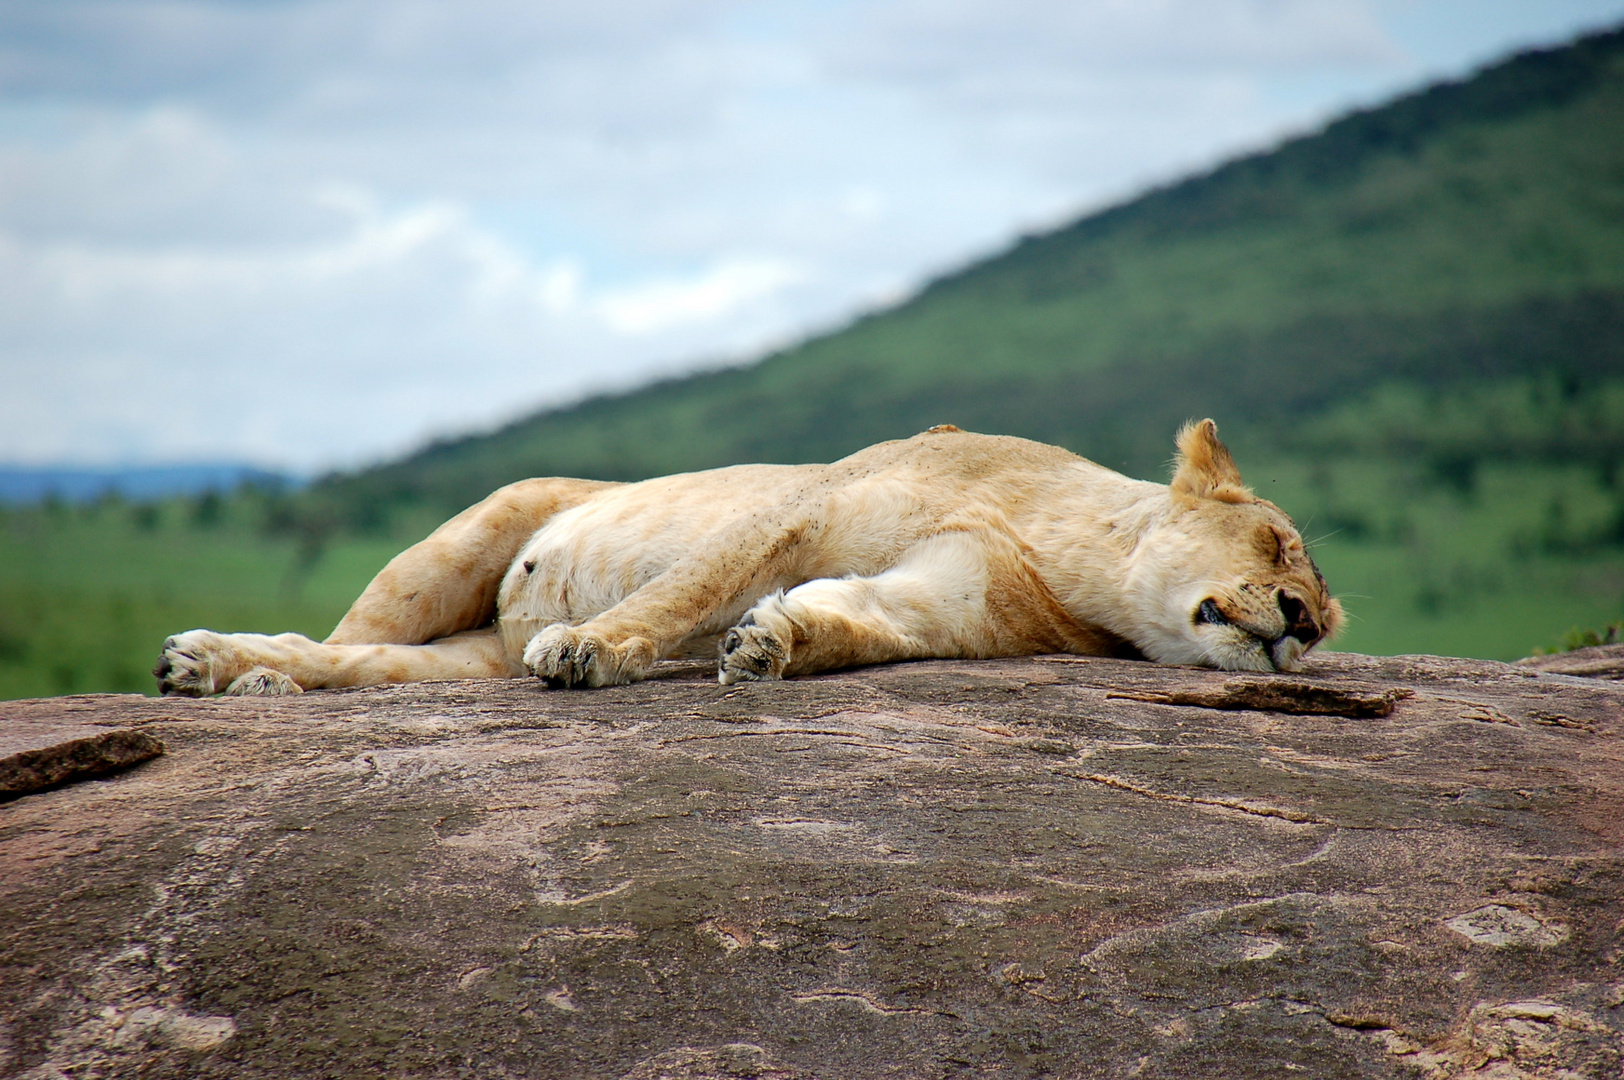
{"x": 1293, "y": 816}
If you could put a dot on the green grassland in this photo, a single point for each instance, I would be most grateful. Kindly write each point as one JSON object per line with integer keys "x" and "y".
{"x": 1410, "y": 327}
{"x": 88, "y": 593}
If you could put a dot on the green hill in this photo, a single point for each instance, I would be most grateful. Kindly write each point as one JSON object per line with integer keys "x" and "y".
{"x": 1409, "y": 325}
{"x": 1473, "y": 231}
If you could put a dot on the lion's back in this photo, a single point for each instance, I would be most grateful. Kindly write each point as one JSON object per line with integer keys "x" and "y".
{"x": 952, "y": 454}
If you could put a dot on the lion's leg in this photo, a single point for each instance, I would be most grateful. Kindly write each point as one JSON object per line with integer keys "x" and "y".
{"x": 965, "y": 592}
{"x": 201, "y": 662}
{"x": 448, "y": 582}
{"x": 706, "y": 587}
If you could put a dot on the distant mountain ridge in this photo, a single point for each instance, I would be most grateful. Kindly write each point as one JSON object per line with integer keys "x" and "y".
{"x": 20, "y": 485}
{"x": 1467, "y": 235}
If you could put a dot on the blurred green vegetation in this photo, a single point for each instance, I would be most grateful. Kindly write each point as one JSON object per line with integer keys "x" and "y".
{"x": 1585, "y": 638}
{"x": 1410, "y": 327}
{"x": 89, "y": 592}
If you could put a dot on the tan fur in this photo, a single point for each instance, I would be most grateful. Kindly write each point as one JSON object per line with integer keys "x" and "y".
{"x": 1205, "y": 468}
{"x": 447, "y": 583}
{"x": 948, "y": 544}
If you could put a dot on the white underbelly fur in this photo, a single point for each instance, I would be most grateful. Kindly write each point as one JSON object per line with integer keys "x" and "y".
{"x": 588, "y": 559}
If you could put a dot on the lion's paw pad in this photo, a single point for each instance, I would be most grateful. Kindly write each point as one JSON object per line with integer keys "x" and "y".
{"x": 751, "y": 653}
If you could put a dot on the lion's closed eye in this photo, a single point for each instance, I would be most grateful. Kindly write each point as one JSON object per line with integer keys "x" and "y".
{"x": 1272, "y": 545}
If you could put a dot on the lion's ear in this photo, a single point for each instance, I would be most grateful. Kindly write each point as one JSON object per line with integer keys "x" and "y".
{"x": 1204, "y": 467}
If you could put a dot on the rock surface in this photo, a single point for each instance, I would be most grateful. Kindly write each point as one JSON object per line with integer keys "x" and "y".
{"x": 1041, "y": 867}
{"x": 1595, "y": 662}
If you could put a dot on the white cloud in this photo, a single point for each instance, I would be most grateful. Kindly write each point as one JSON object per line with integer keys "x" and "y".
{"x": 662, "y": 305}
{"x": 401, "y": 325}
{"x": 312, "y": 233}
{"x": 1102, "y": 96}
{"x": 1005, "y": 47}
{"x": 262, "y": 57}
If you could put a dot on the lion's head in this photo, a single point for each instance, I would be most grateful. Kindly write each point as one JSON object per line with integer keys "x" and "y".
{"x": 1226, "y": 573}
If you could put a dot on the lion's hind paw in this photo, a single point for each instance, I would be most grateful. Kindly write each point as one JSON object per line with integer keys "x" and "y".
{"x": 568, "y": 656}
{"x": 751, "y": 653}
{"x": 188, "y": 664}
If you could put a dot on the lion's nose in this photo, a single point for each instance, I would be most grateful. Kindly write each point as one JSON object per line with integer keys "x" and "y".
{"x": 1299, "y": 623}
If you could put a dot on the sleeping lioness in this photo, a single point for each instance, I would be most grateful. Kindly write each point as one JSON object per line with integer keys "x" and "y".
{"x": 947, "y": 544}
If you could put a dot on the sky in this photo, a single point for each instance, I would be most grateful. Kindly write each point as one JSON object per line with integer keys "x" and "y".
{"x": 312, "y": 234}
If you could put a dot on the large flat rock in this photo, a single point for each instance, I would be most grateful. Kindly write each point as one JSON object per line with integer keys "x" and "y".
{"x": 1044, "y": 867}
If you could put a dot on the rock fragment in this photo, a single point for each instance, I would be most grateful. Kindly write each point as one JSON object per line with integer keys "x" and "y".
{"x": 34, "y": 757}
{"x": 1596, "y": 662}
{"x": 1273, "y": 694}
{"x": 1499, "y": 926}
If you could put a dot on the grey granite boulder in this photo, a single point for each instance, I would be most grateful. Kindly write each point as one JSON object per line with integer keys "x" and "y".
{"x": 1402, "y": 867}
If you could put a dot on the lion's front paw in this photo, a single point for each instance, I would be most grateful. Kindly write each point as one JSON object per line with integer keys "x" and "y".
{"x": 194, "y": 664}
{"x": 569, "y": 656}
{"x": 750, "y": 652}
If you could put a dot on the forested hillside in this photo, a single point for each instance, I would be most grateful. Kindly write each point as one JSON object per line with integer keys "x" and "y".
{"x": 1409, "y": 326}
{"x": 1466, "y": 240}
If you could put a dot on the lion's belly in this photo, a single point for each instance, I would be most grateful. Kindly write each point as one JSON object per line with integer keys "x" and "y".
{"x": 590, "y": 558}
